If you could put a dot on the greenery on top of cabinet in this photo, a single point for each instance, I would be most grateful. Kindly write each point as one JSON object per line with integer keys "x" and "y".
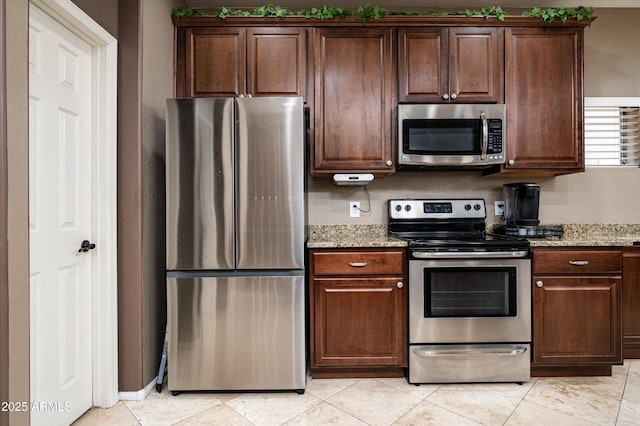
{"x": 373, "y": 13}
{"x": 550, "y": 14}
{"x": 185, "y": 11}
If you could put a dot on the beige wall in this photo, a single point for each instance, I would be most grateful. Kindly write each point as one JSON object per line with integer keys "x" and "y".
{"x": 596, "y": 196}
{"x": 157, "y": 86}
{"x": 17, "y": 18}
{"x": 612, "y": 53}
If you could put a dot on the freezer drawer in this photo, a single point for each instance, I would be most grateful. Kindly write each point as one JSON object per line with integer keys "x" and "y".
{"x": 469, "y": 363}
{"x": 236, "y": 333}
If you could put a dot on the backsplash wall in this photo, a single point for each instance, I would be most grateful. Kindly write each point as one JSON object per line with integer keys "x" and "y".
{"x": 595, "y": 196}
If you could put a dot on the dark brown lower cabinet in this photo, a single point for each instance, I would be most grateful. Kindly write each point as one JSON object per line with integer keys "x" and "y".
{"x": 358, "y": 313}
{"x": 631, "y": 301}
{"x": 577, "y": 311}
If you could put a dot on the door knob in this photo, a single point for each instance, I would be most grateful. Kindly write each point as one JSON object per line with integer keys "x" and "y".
{"x": 85, "y": 246}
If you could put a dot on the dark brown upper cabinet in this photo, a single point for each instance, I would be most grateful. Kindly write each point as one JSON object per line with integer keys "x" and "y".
{"x": 354, "y": 100}
{"x": 544, "y": 98}
{"x": 259, "y": 61}
{"x": 437, "y": 65}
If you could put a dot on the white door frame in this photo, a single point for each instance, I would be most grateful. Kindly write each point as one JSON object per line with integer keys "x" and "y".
{"x": 104, "y": 139}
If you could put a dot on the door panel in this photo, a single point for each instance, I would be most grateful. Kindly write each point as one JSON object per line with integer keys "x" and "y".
{"x": 269, "y": 187}
{"x": 359, "y": 321}
{"x": 60, "y": 203}
{"x": 199, "y": 178}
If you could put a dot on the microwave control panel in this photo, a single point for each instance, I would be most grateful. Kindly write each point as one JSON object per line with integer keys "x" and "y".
{"x": 494, "y": 136}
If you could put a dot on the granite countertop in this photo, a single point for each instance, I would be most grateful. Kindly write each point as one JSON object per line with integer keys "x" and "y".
{"x": 592, "y": 235}
{"x": 345, "y": 236}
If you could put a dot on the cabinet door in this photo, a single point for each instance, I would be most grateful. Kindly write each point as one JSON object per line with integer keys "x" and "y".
{"x": 631, "y": 301}
{"x": 476, "y": 65}
{"x": 423, "y": 64}
{"x": 277, "y": 61}
{"x": 451, "y": 65}
{"x": 210, "y": 62}
{"x": 354, "y": 83}
{"x": 359, "y": 322}
{"x": 544, "y": 98}
{"x": 577, "y": 320}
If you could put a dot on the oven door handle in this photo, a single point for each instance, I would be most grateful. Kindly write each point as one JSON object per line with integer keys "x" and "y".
{"x": 469, "y": 255}
{"x": 513, "y": 351}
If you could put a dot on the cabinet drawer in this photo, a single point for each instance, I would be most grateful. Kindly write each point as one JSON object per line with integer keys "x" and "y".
{"x": 358, "y": 262}
{"x": 577, "y": 261}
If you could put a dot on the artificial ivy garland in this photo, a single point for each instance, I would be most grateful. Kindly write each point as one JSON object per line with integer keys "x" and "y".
{"x": 372, "y": 13}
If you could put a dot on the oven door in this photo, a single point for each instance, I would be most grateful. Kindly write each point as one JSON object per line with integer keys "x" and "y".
{"x": 469, "y": 301}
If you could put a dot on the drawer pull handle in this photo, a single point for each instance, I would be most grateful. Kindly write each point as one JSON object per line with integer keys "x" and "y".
{"x": 358, "y": 264}
{"x": 579, "y": 262}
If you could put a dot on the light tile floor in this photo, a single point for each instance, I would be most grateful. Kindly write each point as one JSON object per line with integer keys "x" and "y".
{"x": 553, "y": 401}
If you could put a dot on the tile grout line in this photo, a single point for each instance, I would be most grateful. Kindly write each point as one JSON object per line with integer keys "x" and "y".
{"x": 624, "y": 388}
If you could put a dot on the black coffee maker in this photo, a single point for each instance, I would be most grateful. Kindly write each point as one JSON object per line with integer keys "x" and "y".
{"x": 521, "y": 203}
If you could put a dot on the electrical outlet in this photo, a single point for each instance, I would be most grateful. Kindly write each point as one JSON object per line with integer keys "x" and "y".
{"x": 354, "y": 208}
{"x": 499, "y": 207}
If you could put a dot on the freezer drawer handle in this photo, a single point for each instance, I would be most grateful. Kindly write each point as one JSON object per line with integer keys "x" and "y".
{"x": 358, "y": 264}
{"x": 489, "y": 351}
{"x": 579, "y": 262}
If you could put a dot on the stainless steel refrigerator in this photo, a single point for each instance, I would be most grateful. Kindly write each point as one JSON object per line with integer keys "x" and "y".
{"x": 235, "y": 244}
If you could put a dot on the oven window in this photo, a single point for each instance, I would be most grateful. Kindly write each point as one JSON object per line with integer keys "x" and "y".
{"x": 442, "y": 136}
{"x": 470, "y": 292}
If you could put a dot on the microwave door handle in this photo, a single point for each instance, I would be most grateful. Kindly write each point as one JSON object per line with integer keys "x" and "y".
{"x": 485, "y": 135}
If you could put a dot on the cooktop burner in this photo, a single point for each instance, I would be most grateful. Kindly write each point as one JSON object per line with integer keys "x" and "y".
{"x": 448, "y": 225}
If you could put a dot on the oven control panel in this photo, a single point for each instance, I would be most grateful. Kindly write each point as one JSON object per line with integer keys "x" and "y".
{"x": 412, "y": 209}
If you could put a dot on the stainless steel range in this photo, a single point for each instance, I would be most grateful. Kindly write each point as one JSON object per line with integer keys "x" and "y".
{"x": 469, "y": 294}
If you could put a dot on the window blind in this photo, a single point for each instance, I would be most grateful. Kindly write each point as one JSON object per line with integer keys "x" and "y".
{"x": 612, "y": 132}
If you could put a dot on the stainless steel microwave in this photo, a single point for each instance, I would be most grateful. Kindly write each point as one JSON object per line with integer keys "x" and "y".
{"x": 451, "y": 135}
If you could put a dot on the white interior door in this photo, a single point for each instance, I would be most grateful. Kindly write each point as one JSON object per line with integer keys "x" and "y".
{"x": 60, "y": 209}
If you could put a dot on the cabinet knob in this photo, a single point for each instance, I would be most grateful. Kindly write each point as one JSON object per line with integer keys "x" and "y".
{"x": 389, "y": 163}
{"x": 399, "y": 284}
{"x": 445, "y": 96}
{"x": 539, "y": 283}
{"x": 512, "y": 162}
{"x": 454, "y": 96}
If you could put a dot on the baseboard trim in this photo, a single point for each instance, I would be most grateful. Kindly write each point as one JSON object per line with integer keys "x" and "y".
{"x": 138, "y": 395}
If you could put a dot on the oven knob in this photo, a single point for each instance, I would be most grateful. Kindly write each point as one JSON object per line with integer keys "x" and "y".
{"x": 467, "y": 207}
{"x": 539, "y": 283}
{"x": 477, "y": 207}
{"x": 407, "y": 207}
{"x": 399, "y": 284}
{"x": 398, "y": 207}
